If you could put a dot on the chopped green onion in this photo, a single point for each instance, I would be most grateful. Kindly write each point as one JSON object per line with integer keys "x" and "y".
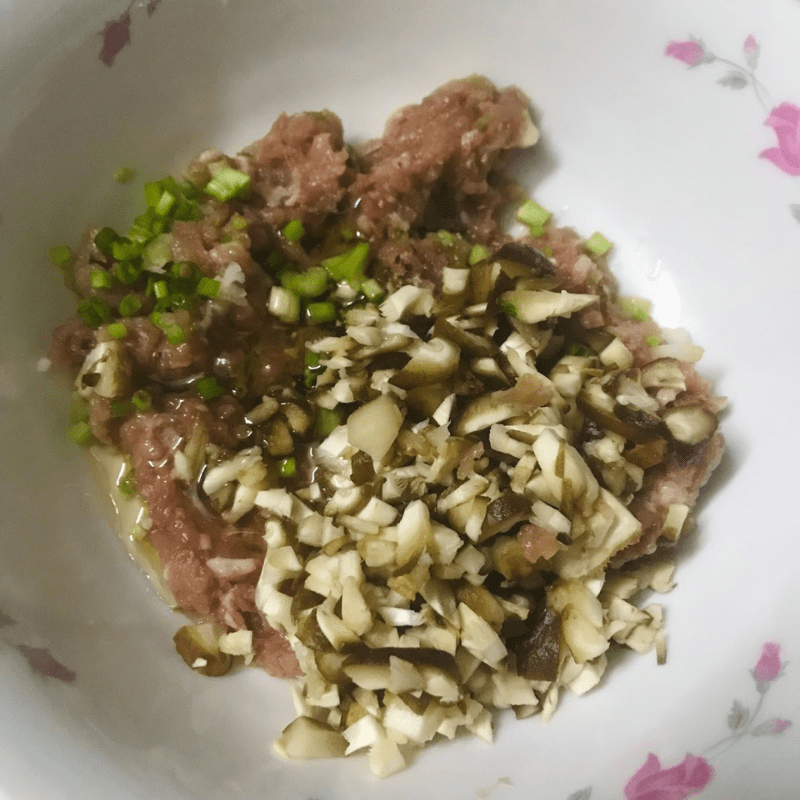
{"x": 446, "y": 238}
{"x": 208, "y": 287}
{"x": 576, "y": 349}
{"x": 284, "y": 305}
{"x": 104, "y": 240}
{"x": 548, "y": 251}
{"x": 309, "y": 284}
{"x": 61, "y": 255}
{"x": 121, "y": 408}
{"x": 117, "y": 330}
{"x": 652, "y": 341}
{"x": 238, "y": 223}
{"x": 127, "y": 483}
{"x": 349, "y": 266}
{"x": 209, "y": 387}
{"x": 293, "y": 231}
{"x": 161, "y": 290}
{"x": 165, "y": 204}
{"x": 79, "y": 433}
{"x": 158, "y": 251}
{"x": 124, "y": 249}
{"x": 507, "y": 308}
{"x": 287, "y": 467}
{"x": 142, "y": 400}
{"x": 175, "y": 334}
{"x": 312, "y": 369}
{"x": 320, "y": 313}
{"x": 597, "y": 244}
{"x": 138, "y": 532}
{"x": 534, "y": 216}
{"x": 94, "y": 311}
{"x": 635, "y": 308}
{"x": 347, "y": 233}
{"x": 100, "y": 279}
{"x": 227, "y": 184}
{"x": 129, "y": 305}
{"x": 326, "y": 420}
{"x": 373, "y": 291}
{"x": 124, "y": 175}
{"x": 126, "y": 272}
{"x": 79, "y": 412}
{"x": 477, "y": 254}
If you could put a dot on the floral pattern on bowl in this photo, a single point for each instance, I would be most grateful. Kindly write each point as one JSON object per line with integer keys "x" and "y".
{"x": 654, "y": 782}
{"x": 784, "y": 118}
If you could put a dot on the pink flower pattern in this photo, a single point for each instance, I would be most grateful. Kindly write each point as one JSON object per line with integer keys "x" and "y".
{"x": 690, "y": 52}
{"x": 785, "y": 121}
{"x": 652, "y": 782}
{"x": 769, "y": 664}
{"x": 784, "y": 118}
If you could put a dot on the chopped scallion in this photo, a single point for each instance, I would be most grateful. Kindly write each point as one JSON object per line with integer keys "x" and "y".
{"x": 507, "y": 308}
{"x": 141, "y": 400}
{"x": 227, "y": 184}
{"x": 121, "y": 408}
{"x": 576, "y": 349}
{"x": 635, "y": 308}
{"x": 209, "y": 387}
{"x": 320, "y": 313}
{"x": 117, "y": 330}
{"x": 326, "y": 420}
{"x": 284, "y": 305}
{"x": 79, "y": 433}
{"x": 127, "y": 483}
{"x": 534, "y": 216}
{"x": 597, "y": 244}
{"x": 446, "y": 238}
{"x": 208, "y": 287}
{"x": 165, "y": 203}
{"x": 124, "y": 249}
{"x": 293, "y": 231}
{"x": 238, "y": 223}
{"x": 477, "y": 254}
{"x": 129, "y": 305}
{"x": 309, "y": 284}
{"x": 100, "y": 279}
{"x": 175, "y": 334}
{"x": 161, "y": 290}
{"x": 349, "y": 266}
{"x": 652, "y": 341}
{"x": 104, "y": 240}
{"x": 94, "y": 311}
{"x": 373, "y": 291}
{"x": 61, "y": 255}
{"x": 127, "y": 272}
{"x": 124, "y": 175}
{"x": 287, "y": 467}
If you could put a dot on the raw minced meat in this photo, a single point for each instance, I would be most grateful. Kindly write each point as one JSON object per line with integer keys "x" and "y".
{"x": 376, "y": 441}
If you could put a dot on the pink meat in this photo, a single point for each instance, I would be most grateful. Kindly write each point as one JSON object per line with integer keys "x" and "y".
{"x": 442, "y": 151}
{"x": 187, "y": 535}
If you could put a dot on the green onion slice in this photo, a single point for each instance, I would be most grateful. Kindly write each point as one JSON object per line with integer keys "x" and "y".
{"x": 597, "y": 244}
{"x": 287, "y": 467}
{"x": 209, "y": 387}
{"x": 61, "y": 255}
{"x": 293, "y": 231}
{"x": 141, "y": 400}
{"x": 227, "y": 184}
{"x": 79, "y": 433}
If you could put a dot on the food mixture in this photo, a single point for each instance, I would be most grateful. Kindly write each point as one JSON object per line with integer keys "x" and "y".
{"x": 369, "y": 441}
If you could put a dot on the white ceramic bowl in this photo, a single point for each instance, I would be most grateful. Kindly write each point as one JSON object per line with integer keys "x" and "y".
{"x": 663, "y": 157}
